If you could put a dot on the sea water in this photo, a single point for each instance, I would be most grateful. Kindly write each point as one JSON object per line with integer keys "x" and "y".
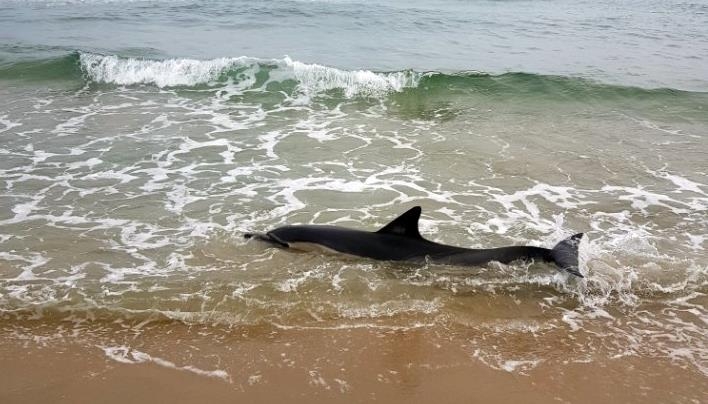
{"x": 139, "y": 140}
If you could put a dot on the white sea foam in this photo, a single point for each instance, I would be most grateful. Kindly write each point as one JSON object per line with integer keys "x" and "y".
{"x": 390, "y": 309}
{"x": 497, "y": 361}
{"x": 685, "y": 184}
{"x": 127, "y": 355}
{"x": 7, "y": 124}
{"x": 642, "y": 199}
{"x": 75, "y": 123}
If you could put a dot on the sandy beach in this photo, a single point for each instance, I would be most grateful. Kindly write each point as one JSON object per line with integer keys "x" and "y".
{"x": 180, "y": 364}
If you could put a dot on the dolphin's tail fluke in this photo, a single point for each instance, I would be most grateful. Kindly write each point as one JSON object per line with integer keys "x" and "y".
{"x": 565, "y": 254}
{"x": 267, "y": 237}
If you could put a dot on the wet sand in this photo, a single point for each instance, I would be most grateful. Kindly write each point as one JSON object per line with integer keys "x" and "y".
{"x": 40, "y": 363}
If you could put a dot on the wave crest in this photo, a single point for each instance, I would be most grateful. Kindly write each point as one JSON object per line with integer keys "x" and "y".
{"x": 162, "y": 73}
{"x": 314, "y": 78}
{"x": 311, "y": 78}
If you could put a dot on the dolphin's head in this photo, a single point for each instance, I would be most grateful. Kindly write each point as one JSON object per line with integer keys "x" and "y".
{"x": 268, "y": 238}
{"x": 287, "y": 236}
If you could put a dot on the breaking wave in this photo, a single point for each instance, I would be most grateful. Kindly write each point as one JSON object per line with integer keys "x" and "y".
{"x": 313, "y": 79}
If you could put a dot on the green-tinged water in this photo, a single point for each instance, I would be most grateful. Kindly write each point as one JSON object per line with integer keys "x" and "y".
{"x": 131, "y": 168}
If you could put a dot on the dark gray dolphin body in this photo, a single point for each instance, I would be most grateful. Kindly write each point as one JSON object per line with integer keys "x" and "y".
{"x": 400, "y": 240}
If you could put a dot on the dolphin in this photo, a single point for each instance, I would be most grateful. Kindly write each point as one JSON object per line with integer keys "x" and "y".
{"x": 400, "y": 240}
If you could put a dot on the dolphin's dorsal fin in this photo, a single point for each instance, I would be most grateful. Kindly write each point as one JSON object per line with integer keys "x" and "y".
{"x": 405, "y": 225}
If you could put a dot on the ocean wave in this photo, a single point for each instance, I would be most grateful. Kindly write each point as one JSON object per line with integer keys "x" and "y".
{"x": 311, "y": 78}
{"x": 297, "y": 78}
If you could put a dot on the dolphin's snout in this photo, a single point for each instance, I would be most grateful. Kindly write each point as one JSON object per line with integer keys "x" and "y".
{"x": 268, "y": 237}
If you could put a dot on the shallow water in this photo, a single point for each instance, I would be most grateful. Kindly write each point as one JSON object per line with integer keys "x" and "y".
{"x": 129, "y": 176}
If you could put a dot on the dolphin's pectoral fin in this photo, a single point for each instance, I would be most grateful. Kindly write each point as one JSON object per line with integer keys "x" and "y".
{"x": 404, "y": 225}
{"x": 565, "y": 254}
